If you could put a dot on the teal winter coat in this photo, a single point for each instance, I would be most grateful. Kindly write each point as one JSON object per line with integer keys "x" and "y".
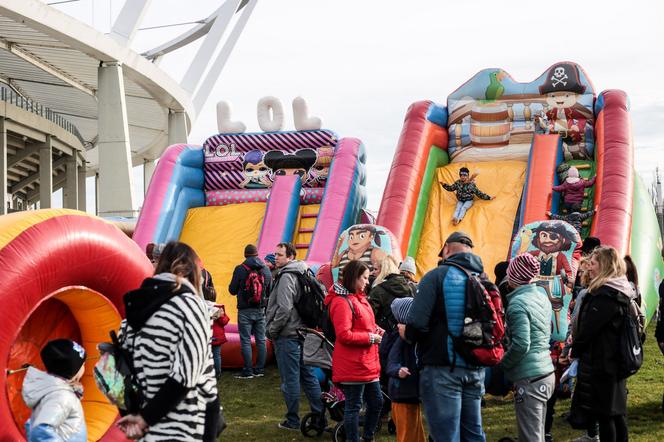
{"x": 529, "y": 329}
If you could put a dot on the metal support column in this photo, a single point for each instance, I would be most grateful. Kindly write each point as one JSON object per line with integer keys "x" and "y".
{"x": 46, "y": 174}
{"x": 4, "y": 195}
{"x": 115, "y": 190}
{"x": 70, "y": 191}
{"x": 177, "y": 127}
{"x": 148, "y": 171}
{"x": 82, "y": 203}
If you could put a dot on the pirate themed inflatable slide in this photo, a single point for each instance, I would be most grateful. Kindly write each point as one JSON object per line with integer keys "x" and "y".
{"x": 304, "y": 186}
{"x": 527, "y": 143}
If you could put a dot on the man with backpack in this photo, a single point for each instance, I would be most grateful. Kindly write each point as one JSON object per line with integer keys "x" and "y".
{"x": 451, "y": 389}
{"x": 251, "y": 284}
{"x": 283, "y": 321}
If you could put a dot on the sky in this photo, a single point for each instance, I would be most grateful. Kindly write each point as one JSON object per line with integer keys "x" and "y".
{"x": 360, "y": 64}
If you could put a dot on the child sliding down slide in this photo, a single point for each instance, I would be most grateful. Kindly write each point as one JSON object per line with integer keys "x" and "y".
{"x": 465, "y": 192}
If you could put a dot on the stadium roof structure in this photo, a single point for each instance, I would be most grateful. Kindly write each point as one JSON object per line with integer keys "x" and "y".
{"x": 56, "y": 61}
{"x": 52, "y": 59}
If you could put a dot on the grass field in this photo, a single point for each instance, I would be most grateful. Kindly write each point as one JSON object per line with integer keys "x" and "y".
{"x": 254, "y": 407}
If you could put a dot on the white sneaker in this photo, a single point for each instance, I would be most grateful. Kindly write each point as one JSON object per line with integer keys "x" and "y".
{"x": 586, "y": 438}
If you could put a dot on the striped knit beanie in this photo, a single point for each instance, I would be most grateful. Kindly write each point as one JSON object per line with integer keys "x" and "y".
{"x": 523, "y": 269}
{"x": 401, "y": 309}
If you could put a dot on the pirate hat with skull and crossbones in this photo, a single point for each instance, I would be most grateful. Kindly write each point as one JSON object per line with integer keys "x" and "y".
{"x": 562, "y": 77}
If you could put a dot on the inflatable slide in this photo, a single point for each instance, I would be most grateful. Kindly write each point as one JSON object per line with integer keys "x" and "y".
{"x": 522, "y": 139}
{"x": 303, "y": 187}
{"x": 64, "y": 274}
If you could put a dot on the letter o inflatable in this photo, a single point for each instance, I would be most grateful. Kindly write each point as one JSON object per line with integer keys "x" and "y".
{"x": 64, "y": 274}
{"x": 274, "y": 123}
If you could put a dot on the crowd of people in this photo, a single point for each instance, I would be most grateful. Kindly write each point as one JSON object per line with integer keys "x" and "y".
{"x": 395, "y": 338}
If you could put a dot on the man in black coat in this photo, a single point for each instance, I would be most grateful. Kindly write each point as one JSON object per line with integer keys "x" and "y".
{"x": 251, "y": 314}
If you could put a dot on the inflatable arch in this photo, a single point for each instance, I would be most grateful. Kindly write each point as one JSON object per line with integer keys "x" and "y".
{"x": 64, "y": 274}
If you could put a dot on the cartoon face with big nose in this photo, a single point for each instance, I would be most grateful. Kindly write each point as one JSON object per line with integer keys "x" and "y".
{"x": 549, "y": 242}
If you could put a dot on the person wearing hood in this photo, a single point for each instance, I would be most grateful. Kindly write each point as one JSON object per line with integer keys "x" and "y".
{"x": 527, "y": 362}
{"x": 355, "y": 364}
{"x": 250, "y": 314}
{"x": 167, "y": 332}
{"x": 55, "y": 395}
{"x": 600, "y": 395}
{"x": 572, "y": 189}
{"x": 451, "y": 390}
{"x": 283, "y": 322}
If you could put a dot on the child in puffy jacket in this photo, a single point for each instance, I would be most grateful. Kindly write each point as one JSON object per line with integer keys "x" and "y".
{"x": 572, "y": 189}
{"x": 403, "y": 385}
{"x": 219, "y": 321}
{"x": 55, "y": 395}
{"x": 466, "y": 190}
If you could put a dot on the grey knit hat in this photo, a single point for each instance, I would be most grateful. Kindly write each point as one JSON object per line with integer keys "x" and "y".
{"x": 401, "y": 309}
{"x": 408, "y": 265}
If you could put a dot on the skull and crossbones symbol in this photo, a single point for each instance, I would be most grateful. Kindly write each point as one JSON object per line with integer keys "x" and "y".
{"x": 559, "y": 76}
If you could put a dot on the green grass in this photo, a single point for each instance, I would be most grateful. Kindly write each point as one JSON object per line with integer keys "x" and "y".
{"x": 254, "y": 407}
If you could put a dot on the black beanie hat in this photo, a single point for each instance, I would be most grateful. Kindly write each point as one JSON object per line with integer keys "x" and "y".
{"x": 464, "y": 170}
{"x": 63, "y": 357}
{"x": 250, "y": 250}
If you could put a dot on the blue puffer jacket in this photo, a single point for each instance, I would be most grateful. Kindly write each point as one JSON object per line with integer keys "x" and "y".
{"x": 438, "y": 309}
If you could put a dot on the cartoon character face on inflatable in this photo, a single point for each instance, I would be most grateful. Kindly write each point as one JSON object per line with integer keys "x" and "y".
{"x": 556, "y": 245}
{"x": 298, "y": 163}
{"x": 321, "y": 168}
{"x": 256, "y": 173}
{"x": 363, "y": 242}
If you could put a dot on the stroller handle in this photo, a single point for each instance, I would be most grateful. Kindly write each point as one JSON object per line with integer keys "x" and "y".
{"x": 305, "y": 330}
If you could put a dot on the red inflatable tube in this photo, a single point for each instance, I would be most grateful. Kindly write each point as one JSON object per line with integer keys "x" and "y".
{"x": 540, "y": 178}
{"x": 615, "y": 172}
{"x": 408, "y": 167}
{"x": 56, "y": 256}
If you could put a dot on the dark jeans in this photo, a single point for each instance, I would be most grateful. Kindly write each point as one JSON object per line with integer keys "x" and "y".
{"x": 374, "y": 400}
{"x": 216, "y": 358}
{"x": 251, "y": 321}
{"x": 550, "y": 411}
{"x": 288, "y": 352}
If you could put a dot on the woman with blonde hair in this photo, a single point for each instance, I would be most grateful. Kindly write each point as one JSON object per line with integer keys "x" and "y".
{"x": 389, "y": 285}
{"x": 600, "y": 393}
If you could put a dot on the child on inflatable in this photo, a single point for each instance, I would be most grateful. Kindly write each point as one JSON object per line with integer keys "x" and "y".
{"x": 55, "y": 395}
{"x": 575, "y": 218}
{"x": 572, "y": 189}
{"x": 466, "y": 190}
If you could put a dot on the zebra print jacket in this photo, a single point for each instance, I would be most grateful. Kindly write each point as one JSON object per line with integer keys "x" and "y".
{"x": 167, "y": 332}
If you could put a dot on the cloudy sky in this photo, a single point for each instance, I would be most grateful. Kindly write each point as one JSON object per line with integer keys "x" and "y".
{"x": 360, "y": 64}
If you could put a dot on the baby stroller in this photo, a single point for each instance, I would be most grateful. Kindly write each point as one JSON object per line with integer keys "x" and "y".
{"x": 317, "y": 352}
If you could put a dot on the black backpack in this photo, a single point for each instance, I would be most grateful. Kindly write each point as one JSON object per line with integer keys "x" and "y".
{"x": 309, "y": 304}
{"x": 630, "y": 346}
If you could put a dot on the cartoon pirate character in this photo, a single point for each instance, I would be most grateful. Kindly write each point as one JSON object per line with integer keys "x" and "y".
{"x": 321, "y": 168}
{"x": 256, "y": 173}
{"x": 551, "y": 240}
{"x": 298, "y": 163}
{"x": 562, "y": 87}
{"x": 361, "y": 238}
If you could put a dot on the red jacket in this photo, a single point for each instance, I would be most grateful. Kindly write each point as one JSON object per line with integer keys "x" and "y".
{"x": 573, "y": 192}
{"x": 354, "y": 358}
{"x": 218, "y": 333}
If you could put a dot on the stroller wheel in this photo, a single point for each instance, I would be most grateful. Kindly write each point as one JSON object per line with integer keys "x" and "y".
{"x": 391, "y": 427}
{"x": 311, "y": 425}
{"x": 339, "y": 433}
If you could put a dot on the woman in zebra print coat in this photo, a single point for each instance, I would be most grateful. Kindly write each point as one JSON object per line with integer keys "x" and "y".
{"x": 167, "y": 331}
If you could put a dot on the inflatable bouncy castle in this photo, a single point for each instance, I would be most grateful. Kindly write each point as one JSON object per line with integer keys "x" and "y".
{"x": 522, "y": 139}
{"x": 64, "y": 274}
{"x": 303, "y": 186}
